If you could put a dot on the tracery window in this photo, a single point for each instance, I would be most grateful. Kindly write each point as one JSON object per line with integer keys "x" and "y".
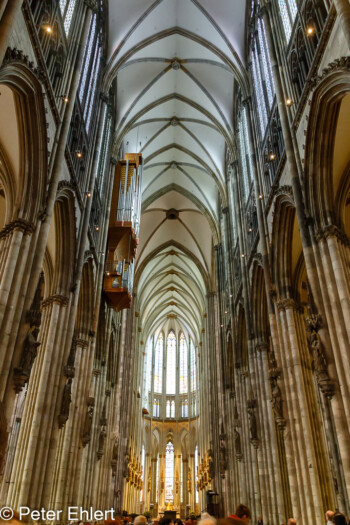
{"x": 169, "y": 472}
{"x": 143, "y": 457}
{"x": 183, "y": 365}
{"x": 246, "y": 162}
{"x": 262, "y": 77}
{"x": 103, "y": 165}
{"x": 67, "y": 9}
{"x": 156, "y": 408}
{"x": 171, "y": 364}
{"x": 193, "y": 367}
{"x": 288, "y": 10}
{"x": 265, "y": 59}
{"x": 170, "y": 376}
{"x": 184, "y": 408}
{"x": 91, "y": 68}
{"x": 158, "y": 365}
{"x": 170, "y": 408}
{"x": 196, "y": 471}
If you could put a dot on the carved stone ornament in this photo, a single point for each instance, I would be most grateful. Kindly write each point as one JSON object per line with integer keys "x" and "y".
{"x": 342, "y": 63}
{"x": 16, "y": 55}
{"x": 17, "y": 225}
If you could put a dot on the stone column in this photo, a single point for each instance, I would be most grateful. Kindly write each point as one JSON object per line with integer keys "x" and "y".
{"x": 309, "y": 258}
{"x": 35, "y": 433}
{"x": 11, "y": 10}
{"x": 343, "y": 11}
{"x": 56, "y": 172}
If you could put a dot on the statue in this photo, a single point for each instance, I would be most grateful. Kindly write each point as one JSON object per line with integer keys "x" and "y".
{"x": 115, "y": 448}
{"x": 211, "y": 465}
{"x": 189, "y": 481}
{"x": 66, "y": 398}
{"x": 86, "y": 435}
{"x": 253, "y": 425}
{"x": 126, "y": 464}
{"x": 319, "y": 360}
{"x": 238, "y": 446}
{"x": 277, "y": 401}
{"x": 223, "y": 455}
{"x": 101, "y": 442}
{"x": 30, "y": 350}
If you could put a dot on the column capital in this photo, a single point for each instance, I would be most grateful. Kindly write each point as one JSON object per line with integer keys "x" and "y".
{"x": 92, "y": 4}
{"x": 61, "y": 300}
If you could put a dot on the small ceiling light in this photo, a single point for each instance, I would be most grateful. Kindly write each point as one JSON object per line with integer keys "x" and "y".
{"x": 261, "y": 196}
{"x": 250, "y": 230}
{"x": 231, "y": 295}
{"x": 65, "y": 99}
{"x": 48, "y": 29}
{"x": 310, "y": 31}
{"x": 289, "y": 101}
{"x": 272, "y": 156}
{"x": 88, "y": 195}
{"x": 243, "y": 255}
{"x": 107, "y": 273}
{"x": 97, "y": 228}
{"x": 222, "y": 325}
{"x": 79, "y": 154}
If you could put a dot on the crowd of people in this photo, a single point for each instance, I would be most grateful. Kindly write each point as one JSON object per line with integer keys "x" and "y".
{"x": 241, "y": 516}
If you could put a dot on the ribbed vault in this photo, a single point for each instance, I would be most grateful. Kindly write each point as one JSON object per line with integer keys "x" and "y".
{"x": 177, "y": 65}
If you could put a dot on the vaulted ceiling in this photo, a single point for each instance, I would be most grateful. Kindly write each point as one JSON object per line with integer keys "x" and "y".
{"x": 177, "y": 65}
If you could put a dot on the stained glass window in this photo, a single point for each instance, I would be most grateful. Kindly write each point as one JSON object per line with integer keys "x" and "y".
{"x": 265, "y": 59}
{"x": 87, "y": 57}
{"x": 89, "y": 104}
{"x": 288, "y": 9}
{"x": 169, "y": 472}
{"x": 148, "y": 368}
{"x": 246, "y": 158}
{"x": 193, "y": 367}
{"x": 158, "y": 365}
{"x": 172, "y": 409}
{"x": 67, "y": 9}
{"x": 156, "y": 408}
{"x": 62, "y": 6}
{"x": 183, "y": 365}
{"x": 196, "y": 470}
{"x": 171, "y": 364}
{"x": 102, "y": 175}
{"x": 260, "y": 101}
{"x": 143, "y": 470}
{"x": 181, "y": 480}
{"x": 157, "y": 478}
{"x": 184, "y": 408}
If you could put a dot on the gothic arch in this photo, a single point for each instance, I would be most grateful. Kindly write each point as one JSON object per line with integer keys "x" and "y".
{"x": 259, "y": 300}
{"x": 322, "y": 182}
{"x": 283, "y": 230}
{"x": 21, "y": 79}
{"x": 241, "y": 357}
{"x": 65, "y": 231}
{"x": 86, "y": 301}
